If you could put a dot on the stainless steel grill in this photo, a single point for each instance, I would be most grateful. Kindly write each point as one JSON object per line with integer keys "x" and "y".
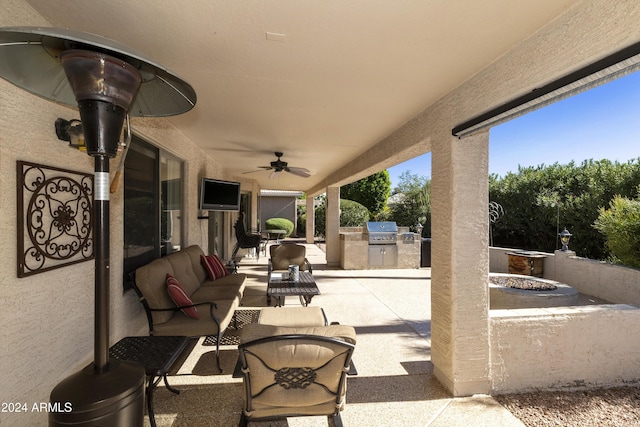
{"x": 382, "y": 233}
{"x": 383, "y": 250}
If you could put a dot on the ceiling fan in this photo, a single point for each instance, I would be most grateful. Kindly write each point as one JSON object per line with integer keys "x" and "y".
{"x": 278, "y": 166}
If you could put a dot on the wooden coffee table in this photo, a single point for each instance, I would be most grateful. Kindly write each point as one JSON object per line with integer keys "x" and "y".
{"x": 279, "y": 287}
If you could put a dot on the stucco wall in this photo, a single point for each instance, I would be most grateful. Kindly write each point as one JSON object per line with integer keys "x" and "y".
{"x": 569, "y": 347}
{"x": 46, "y": 319}
{"x": 614, "y": 283}
{"x": 564, "y": 347}
{"x": 498, "y": 260}
{"x": 586, "y": 33}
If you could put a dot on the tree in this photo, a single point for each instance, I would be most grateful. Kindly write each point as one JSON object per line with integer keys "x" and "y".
{"x": 412, "y": 202}
{"x": 372, "y": 192}
{"x": 620, "y": 224}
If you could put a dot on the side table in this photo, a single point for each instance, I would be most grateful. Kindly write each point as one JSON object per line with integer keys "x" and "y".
{"x": 156, "y": 354}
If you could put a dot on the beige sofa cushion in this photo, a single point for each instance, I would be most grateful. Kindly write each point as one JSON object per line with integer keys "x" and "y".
{"x": 151, "y": 279}
{"x": 183, "y": 271}
{"x": 230, "y": 280}
{"x": 183, "y": 325}
{"x": 217, "y": 293}
{"x": 194, "y": 252}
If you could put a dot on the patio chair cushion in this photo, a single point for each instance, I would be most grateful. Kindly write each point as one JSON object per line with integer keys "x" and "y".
{"x": 295, "y": 371}
{"x": 282, "y": 256}
{"x": 292, "y": 316}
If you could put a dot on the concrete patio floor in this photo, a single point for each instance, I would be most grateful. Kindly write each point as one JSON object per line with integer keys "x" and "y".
{"x": 395, "y": 386}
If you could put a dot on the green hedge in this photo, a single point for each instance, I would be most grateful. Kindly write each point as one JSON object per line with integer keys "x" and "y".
{"x": 280, "y": 224}
{"x": 540, "y": 201}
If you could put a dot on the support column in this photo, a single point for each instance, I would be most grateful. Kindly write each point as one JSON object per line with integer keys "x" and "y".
{"x": 460, "y": 264}
{"x": 332, "y": 233}
{"x": 311, "y": 220}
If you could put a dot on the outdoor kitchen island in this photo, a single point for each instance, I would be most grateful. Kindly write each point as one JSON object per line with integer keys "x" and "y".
{"x": 379, "y": 245}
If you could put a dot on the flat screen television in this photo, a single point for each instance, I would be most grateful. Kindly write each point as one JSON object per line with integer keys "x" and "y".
{"x": 217, "y": 195}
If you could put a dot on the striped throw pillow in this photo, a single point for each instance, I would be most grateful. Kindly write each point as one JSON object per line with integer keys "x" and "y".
{"x": 180, "y": 297}
{"x": 215, "y": 268}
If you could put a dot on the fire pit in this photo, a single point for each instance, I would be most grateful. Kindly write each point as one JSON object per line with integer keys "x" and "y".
{"x": 518, "y": 291}
{"x": 525, "y": 283}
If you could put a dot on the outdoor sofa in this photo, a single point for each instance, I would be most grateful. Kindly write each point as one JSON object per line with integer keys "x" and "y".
{"x": 214, "y": 301}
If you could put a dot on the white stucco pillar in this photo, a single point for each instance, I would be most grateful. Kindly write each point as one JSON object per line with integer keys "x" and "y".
{"x": 460, "y": 264}
{"x": 310, "y": 226}
{"x": 332, "y": 233}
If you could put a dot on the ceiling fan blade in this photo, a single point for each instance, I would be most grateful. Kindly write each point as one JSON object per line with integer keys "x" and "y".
{"x": 302, "y": 172}
{"x": 262, "y": 168}
{"x": 274, "y": 174}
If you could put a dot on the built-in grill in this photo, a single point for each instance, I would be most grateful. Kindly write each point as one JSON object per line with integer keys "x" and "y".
{"x": 382, "y": 233}
{"x": 382, "y": 238}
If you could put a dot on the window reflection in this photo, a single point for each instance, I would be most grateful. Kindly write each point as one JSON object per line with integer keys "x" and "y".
{"x": 152, "y": 217}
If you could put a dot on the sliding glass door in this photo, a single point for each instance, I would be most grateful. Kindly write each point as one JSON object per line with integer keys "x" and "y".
{"x": 152, "y": 217}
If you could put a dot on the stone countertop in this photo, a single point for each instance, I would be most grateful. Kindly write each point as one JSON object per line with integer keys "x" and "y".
{"x": 353, "y": 236}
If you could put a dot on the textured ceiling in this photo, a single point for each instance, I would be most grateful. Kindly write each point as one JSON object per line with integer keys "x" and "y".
{"x": 322, "y": 80}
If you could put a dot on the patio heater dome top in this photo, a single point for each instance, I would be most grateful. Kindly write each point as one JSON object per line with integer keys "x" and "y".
{"x": 30, "y": 59}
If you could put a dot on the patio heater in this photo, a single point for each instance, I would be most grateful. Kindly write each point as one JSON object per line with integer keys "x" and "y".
{"x": 106, "y": 81}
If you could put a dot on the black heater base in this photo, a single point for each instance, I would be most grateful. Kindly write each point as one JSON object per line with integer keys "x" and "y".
{"x": 112, "y": 398}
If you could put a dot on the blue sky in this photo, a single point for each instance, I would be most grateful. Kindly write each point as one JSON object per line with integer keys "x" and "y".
{"x": 602, "y": 123}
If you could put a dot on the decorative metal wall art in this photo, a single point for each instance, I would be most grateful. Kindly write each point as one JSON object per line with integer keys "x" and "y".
{"x": 55, "y": 209}
{"x": 495, "y": 213}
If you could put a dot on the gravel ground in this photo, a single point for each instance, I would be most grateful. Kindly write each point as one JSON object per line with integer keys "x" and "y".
{"x": 602, "y": 408}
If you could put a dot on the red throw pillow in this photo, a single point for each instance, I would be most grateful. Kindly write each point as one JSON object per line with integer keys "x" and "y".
{"x": 215, "y": 268}
{"x": 180, "y": 297}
